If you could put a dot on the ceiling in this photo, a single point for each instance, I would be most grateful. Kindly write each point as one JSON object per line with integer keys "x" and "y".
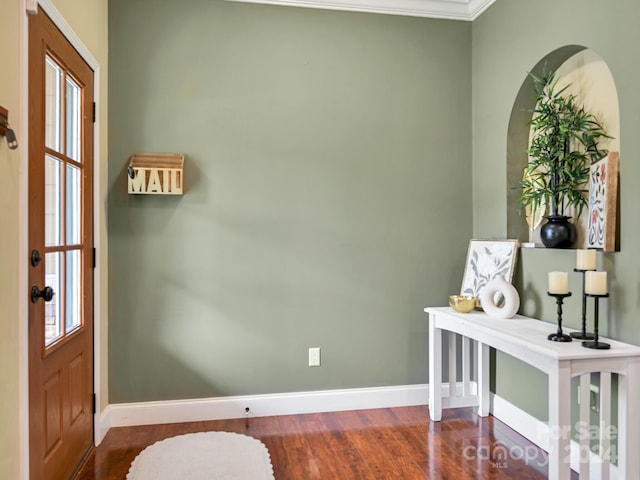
{"x": 449, "y": 9}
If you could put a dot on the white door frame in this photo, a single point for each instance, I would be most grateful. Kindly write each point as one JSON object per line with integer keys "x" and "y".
{"x": 74, "y": 39}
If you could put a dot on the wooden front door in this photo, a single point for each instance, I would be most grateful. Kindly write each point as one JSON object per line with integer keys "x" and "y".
{"x": 61, "y": 253}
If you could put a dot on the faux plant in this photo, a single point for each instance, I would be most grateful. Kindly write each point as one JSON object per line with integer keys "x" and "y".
{"x": 564, "y": 143}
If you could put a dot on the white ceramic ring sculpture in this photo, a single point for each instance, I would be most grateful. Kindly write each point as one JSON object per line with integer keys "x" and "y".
{"x": 509, "y": 307}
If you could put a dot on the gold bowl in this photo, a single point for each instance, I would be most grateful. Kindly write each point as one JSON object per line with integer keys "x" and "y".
{"x": 463, "y": 303}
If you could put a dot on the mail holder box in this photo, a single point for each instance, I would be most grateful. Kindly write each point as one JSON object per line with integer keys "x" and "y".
{"x": 156, "y": 173}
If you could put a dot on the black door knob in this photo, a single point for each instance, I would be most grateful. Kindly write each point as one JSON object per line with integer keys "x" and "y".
{"x": 46, "y": 294}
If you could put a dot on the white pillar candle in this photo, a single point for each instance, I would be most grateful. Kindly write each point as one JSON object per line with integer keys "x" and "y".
{"x": 558, "y": 282}
{"x": 586, "y": 260}
{"x": 595, "y": 283}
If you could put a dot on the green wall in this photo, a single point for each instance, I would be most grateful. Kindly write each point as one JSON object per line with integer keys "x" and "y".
{"x": 509, "y": 39}
{"x": 328, "y": 196}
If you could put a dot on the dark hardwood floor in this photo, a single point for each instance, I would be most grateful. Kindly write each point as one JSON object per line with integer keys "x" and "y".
{"x": 390, "y": 443}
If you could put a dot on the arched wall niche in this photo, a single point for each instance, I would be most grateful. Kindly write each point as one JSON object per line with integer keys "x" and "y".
{"x": 593, "y": 84}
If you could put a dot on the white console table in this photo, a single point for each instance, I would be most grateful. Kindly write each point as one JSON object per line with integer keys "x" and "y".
{"x": 526, "y": 339}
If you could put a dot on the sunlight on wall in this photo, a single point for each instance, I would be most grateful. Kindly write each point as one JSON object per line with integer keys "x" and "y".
{"x": 592, "y": 83}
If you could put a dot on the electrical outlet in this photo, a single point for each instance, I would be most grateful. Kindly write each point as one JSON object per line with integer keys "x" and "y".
{"x": 314, "y": 356}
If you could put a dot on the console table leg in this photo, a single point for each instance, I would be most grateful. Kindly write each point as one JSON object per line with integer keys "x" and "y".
{"x": 435, "y": 372}
{"x": 560, "y": 422}
{"x": 483, "y": 379}
{"x": 628, "y": 418}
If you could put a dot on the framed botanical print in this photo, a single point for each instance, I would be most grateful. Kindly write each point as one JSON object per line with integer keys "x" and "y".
{"x": 486, "y": 259}
{"x": 603, "y": 203}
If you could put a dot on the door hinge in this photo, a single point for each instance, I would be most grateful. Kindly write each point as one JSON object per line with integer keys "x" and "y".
{"x": 94, "y": 257}
{"x": 94, "y": 112}
{"x": 95, "y": 409}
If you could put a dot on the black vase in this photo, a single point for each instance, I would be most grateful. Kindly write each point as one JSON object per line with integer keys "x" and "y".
{"x": 558, "y": 232}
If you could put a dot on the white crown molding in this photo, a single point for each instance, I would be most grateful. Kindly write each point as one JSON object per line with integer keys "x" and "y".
{"x": 446, "y": 9}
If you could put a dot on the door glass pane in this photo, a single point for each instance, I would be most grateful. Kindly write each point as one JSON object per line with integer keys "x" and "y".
{"x": 73, "y": 205}
{"x": 53, "y": 309}
{"x": 73, "y": 120}
{"x": 52, "y": 201}
{"x": 73, "y": 290}
{"x": 53, "y": 105}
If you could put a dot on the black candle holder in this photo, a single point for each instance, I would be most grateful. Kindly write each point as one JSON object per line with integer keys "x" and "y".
{"x": 595, "y": 344}
{"x": 583, "y": 335}
{"x": 559, "y": 336}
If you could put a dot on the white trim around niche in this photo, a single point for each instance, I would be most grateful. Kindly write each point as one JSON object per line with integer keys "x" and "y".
{"x": 446, "y": 9}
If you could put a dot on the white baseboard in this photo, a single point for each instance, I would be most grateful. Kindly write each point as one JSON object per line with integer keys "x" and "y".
{"x": 173, "y": 411}
{"x": 525, "y": 424}
{"x": 537, "y": 432}
{"x": 220, "y": 408}
{"x": 102, "y": 425}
